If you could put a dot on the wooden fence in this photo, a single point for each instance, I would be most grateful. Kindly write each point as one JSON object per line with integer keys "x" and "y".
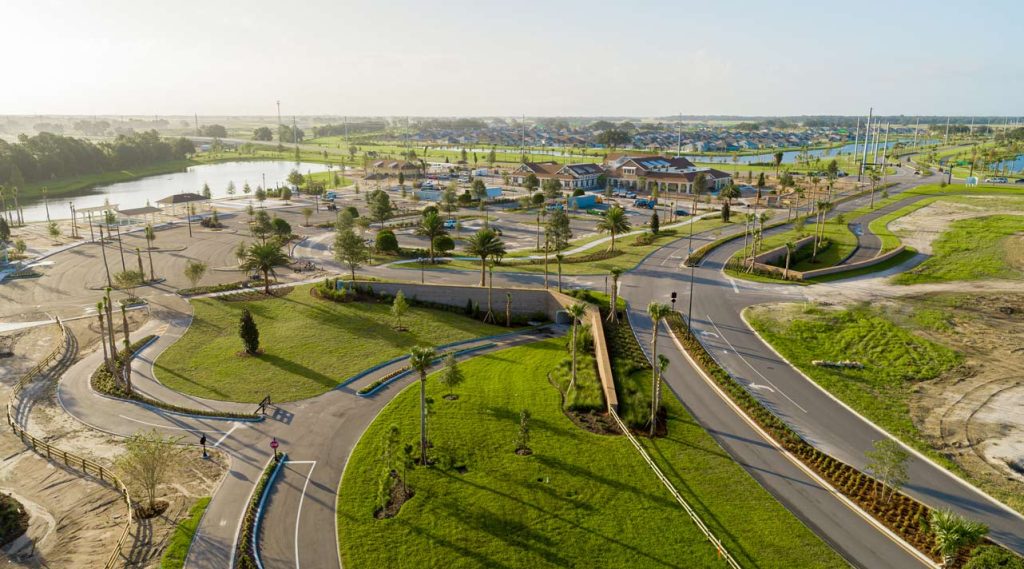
{"x": 70, "y": 460}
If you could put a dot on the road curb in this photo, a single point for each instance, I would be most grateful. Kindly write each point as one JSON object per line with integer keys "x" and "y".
{"x": 799, "y": 464}
{"x": 880, "y": 430}
{"x": 259, "y": 509}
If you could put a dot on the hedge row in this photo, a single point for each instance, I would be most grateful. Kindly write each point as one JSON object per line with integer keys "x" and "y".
{"x": 901, "y": 514}
{"x": 246, "y": 557}
{"x": 103, "y": 382}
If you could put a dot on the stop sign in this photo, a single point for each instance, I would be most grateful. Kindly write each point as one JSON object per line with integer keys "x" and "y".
{"x": 274, "y": 444}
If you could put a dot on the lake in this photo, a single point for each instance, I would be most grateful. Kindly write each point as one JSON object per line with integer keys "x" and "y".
{"x": 790, "y": 156}
{"x": 136, "y": 193}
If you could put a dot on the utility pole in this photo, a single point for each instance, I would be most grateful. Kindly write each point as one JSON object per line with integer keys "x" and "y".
{"x": 885, "y": 153}
{"x": 867, "y": 134}
{"x": 916, "y": 129}
{"x": 679, "y": 136}
{"x": 874, "y": 151}
{"x": 945, "y": 139}
{"x": 856, "y": 138}
{"x": 196, "y": 117}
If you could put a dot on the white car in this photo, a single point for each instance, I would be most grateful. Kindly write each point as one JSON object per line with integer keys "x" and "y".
{"x": 997, "y": 180}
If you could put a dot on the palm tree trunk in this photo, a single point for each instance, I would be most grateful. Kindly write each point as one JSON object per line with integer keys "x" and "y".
{"x": 654, "y": 381}
{"x": 127, "y": 364}
{"x": 103, "y": 342}
{"x": 423, "y": 417}
{"x": 152, "y": 273}
{"x": 483, "y": 271}
{"x": 266, "y": 282}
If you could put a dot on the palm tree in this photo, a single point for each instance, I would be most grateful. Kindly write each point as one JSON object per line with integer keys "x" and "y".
{"x": 613, "y": 314}
{"x": 614, "y": 222}
{"x": 420, "y": 359}
{"x": 576, "y": 311}
{"x": 657, "y": 312}
{"x": 953, "y": 533}
{"x": 778, "y": 162}
{"x": 150, "y": 237}
{"x": 700, "y": 182}
{"x": 100, "y": 309}
{"x": 263, "y": 257}
{"x": 790, "y": 247}
{"x": 822, "y": 208}
{"x": 748, "y": 223}
{"x": 431, "y": 227}
{"x": 485, "y": 243}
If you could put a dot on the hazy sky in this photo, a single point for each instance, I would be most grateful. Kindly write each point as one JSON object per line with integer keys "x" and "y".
{"x": 511, "y": 57}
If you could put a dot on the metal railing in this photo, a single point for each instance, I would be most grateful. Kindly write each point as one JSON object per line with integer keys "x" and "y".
{"x": 722, "y": 551}
{"x": 70, "y": 460}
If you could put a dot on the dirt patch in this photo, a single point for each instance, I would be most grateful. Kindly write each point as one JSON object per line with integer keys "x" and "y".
{"x": 920, "y": 228}
{"x": 1015, "y": 252}
{"x": 400, "y": 494}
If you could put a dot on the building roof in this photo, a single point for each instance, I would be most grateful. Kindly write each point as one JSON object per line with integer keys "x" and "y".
{"x": 139, "y": 211}
{"x": 182, "y": 198}
{"x": 583, "y": 169}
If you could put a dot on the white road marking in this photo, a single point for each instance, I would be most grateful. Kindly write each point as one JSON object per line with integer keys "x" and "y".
{"x": 734, "y": 287}
{"x": 766, "y": 380}
{"x": 168, "y": 427}
{"x": 298, "y": 514}
{"x": 759, "y": 386}
{"x": 226, "y": 435}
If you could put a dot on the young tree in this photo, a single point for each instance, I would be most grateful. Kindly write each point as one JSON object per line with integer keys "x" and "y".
{"x": 350, "y": 249}
{"x": 443, "y": 244}
{"x": 558, "y": 229}
{"x": 657, "y": 312}
{"x": 613, "y": 305}
{"x": 888, "y": 463}
{"x": 5, "y": 229}
{"x": 263, "y": 257}
{"x": 398, "y": 309}
{"x": 261, "y": 195}
{"x": 206, "y": 191}
{"x": 147, "y": 462}
{"x": 53, "y": 229}
{"x": 552, "y": 188}
{"x": 452, "y": 376}
{"x": 307, "y": 212}
{"x": 386, "y": 242}
{"x": 531, "y": 182}
{"x": 246, "y": 188}
{"x": 249, "y": 333}
{"x": 194, "y": 271}
{"x": 281, "y": 229}
{"x": 655, "y": 223}
{"x": 380, "y": 206}
{"x": 231, "y": 188}
{"x": 485, "y": 244}
{"x": 523, "y": 435}
{"x": 614, "y": 222}
{"x": 150, "y": 237}
{"x": 790, "y": 248}
{"x": 726, "y": 212}
{"x": 128, "y": 281}
{"x": 953, "y": 533}
{"x": 420, "y": 359}
{"x": 576, "y": 312}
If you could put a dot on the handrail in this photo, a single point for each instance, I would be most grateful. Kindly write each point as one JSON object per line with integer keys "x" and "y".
{"x": 70, "y": 459}
{"x": 722, "y": 551}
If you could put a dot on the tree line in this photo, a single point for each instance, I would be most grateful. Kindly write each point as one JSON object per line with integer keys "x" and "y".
{"x": 48, "y": 156}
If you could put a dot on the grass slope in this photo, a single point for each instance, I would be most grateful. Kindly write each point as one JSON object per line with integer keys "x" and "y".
{"x": 971, "y": 249}
{"x": 310, "y": 345}
{"x": 177, "y": 548}
{"x": 893, "y": 358}
{"x": 580, "y": 500}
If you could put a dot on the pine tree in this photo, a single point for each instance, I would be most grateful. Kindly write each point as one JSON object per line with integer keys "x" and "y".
{"x": 249, "y": 333}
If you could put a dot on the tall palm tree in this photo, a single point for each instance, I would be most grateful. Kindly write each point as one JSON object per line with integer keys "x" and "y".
{"x": 485, "y": 243}
{"x": 614, "y": 222}
{"x": 748, "y": 223}
{"x": 420, "y": 359}
{"x": 100, "y": 309}
{"x": 263, "y": 257}
{"x": 657, "y": 312}
{"x": 613, "y": 314}
{"x": 700, "y": 182}
{"x": 953, "y": 533}
{"x": 576, "y": 311}
{"x": 431, "y": 227}
{"x": 558, "y": 258}
{"x": 127, "y": 363}
{"x": 150, "y": 237}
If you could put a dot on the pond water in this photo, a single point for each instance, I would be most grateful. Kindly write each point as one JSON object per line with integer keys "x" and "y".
{"x": 137, "y": 193}
{"x": 1010, "y": 167}
{"x": 790, "y": 156}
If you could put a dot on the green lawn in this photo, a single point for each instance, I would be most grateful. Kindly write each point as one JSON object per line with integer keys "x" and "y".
{"x": 630, "y": 257}
{"x": 970, "y": 249}
{"x": 894, "y": 359}
{"x": 310, "y": 345}
{"x": 580, "y": 500}
{"x": 181, "y": 540}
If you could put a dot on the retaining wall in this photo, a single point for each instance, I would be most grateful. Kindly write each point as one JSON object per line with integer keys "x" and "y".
{"x": 805, "y": 275}
{"x": 525, "y": 302}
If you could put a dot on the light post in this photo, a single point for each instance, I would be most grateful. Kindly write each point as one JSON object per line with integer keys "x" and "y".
{"x": 421, "y": 260}
{"x": 689, "y": 308}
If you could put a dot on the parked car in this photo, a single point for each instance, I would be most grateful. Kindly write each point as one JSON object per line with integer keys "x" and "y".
{"x": 1020, "y": 181}
{"x": 996, "y": 180}
{"x": 555, "y": 207}
{"x": 681, "y": 212}
{"x": 631, "y": 195}
{"x": 450, "y": 223}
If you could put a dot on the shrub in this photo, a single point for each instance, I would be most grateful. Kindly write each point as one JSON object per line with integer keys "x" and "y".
{"x": 249, "y": 333}
{"x": 991, "y": 557}
{"x": 386, "y": 242}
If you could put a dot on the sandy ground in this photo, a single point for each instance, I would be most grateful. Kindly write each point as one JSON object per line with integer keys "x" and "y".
{"x": 920, "y": 228}
{"x": 75, "y": 521}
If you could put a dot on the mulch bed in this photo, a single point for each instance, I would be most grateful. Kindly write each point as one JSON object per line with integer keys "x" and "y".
{"x": 398, "y": 497}
{"x": 145, "y": 512}
{"x": 13, "y": 519}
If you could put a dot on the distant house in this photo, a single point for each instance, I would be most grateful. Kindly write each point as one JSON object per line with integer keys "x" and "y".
{"x": 392, "y": 168}
{"x": 645, "y": 173}
{"x": 571, "y": 176}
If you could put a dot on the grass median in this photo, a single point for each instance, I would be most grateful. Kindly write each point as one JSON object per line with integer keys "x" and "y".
{"x": 580, "y": 499}
{"x": 309, "y": 345}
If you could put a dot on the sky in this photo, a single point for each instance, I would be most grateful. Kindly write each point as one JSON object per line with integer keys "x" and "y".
{"x": 489, "y": 58}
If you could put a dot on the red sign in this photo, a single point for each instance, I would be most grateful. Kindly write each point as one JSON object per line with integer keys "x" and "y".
{"x": 274, "y": 444}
